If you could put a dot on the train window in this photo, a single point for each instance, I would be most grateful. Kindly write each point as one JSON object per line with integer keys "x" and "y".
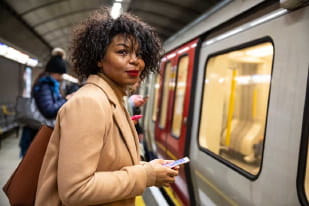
{"x": 166, "y": 86}
{"x": 180, "y": 95}
{"x": 156, "y": 98}
{"x": 234, "y": 105}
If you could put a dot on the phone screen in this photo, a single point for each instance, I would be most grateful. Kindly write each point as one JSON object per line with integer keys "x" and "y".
{"x": 178, "y": 162}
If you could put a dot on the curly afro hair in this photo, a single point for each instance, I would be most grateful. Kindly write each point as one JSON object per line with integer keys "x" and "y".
{"x": 93, "y": 36}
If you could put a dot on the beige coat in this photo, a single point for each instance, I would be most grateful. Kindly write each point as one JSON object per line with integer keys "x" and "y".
{"x": 92, "y": 157}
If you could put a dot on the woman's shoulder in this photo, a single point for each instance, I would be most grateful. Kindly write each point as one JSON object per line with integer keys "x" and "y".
{"x": 85, "y": 99}
{"x": 87, "y": 94}
{"x": 91, "y": 90}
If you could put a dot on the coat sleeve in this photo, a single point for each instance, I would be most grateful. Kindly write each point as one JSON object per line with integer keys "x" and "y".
{"x": 83, "y": 124}
{"x": 46, "y": 103}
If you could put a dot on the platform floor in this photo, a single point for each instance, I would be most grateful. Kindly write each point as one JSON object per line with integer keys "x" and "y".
{"x": 9, "y": 159}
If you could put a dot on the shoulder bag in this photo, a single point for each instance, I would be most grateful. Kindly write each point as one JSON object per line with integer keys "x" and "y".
{"x": 21, "y": 187}
{"x": 28, "y": 114}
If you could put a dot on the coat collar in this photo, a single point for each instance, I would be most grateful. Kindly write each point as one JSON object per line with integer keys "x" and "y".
{"x": 122, "y": 118}
{"x": 115, "y": 93}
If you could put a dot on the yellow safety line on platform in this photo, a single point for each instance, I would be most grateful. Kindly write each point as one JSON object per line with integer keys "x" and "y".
{"x": 168, "y": 190}
{"x": 171, "y": 155}
{"x": 174, "y": 198}
{"x": 139, "y": 201}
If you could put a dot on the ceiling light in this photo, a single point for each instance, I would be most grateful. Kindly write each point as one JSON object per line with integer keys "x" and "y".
{"x": 32, "y": 62}
{"x": 69, "y": 78}
{"x": 16, "y": 55}
{"x": 116, "y": 10}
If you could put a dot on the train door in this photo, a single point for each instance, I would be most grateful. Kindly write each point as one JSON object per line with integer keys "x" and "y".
{"x": 247, "y": 119}
{"x": 162, "y": 106}
{"x": 174, "y": 106}
{"x": 151, "y": 85}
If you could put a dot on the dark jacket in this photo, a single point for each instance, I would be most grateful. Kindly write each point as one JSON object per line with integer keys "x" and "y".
{"x": 138, "y": 127}
{"x": 46, "y": 93}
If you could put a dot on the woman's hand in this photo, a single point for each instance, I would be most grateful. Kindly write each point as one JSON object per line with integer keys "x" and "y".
{"x": 137, "y": 100}
{"x": 164, "y": 175}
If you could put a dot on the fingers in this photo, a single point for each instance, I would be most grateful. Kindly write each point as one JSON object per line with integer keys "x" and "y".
{"x": 158, "y": 161}
{"x": 164, "y": 174}
{"x": 167, "y": 182}
{"x": 168, "y": 175}
{"x": 138, "y": 100}
{"x": 176, "y": 168}
{"x": 172, "y": 173}
{"x": 167, "y": 161}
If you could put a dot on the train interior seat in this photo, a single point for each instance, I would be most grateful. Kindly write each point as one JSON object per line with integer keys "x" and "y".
{"x": 245, "y": 139}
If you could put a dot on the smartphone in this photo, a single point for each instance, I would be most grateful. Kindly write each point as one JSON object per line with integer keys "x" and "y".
{"x": 136, "y": 117}
{"x": 178, "y": 162}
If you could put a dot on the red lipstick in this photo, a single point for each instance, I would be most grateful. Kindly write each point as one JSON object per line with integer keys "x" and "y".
{"x": 133, "y": 73}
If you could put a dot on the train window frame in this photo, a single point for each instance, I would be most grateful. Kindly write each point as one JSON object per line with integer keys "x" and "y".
{"x": 303, "y": 160}
{"x": 174, "y": 95}
{"x": 154, "y": 114}
{"x": 226, "y": 162}
{"x": 162, "y": 96}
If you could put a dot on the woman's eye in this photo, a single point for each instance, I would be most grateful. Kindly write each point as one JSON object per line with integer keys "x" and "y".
{"x": 139, "y": 54}
{"x": 123, "y": 52}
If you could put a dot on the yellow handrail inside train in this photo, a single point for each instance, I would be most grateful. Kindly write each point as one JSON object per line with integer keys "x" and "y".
{"x": 254, "y": 103}
{"x": 231, "y": 109}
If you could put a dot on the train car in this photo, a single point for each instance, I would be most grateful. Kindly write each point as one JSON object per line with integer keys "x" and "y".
{"x": 233, "y": 97}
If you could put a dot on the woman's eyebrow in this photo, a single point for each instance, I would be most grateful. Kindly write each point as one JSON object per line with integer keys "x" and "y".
{"x": 122, "y": 44}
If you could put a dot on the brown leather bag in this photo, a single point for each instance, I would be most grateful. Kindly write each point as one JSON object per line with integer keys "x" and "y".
{"x": 21, "y": 187}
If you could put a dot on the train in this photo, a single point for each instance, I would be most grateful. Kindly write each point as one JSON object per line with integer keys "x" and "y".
{"x": 233, "y": 96}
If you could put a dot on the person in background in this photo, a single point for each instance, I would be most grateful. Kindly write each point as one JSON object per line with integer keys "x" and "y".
{"x": 135, "y": 102}
{"x": 70, "y": 88}
{"x": 46, "y": 92}
{"x": 93, "y": 156}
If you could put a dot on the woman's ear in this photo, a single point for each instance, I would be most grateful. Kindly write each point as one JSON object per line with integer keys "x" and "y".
{"x": 99, "y": 64}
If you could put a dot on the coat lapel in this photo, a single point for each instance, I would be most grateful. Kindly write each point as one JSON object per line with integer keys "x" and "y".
{"x": 129, "y": 135}
{"x": 121, "y": 117}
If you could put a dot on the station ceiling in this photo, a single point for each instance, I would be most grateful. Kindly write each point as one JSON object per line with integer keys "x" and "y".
{"x": 37, "y": 26}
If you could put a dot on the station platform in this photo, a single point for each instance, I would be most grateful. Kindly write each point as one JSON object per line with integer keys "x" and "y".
{"x": 9, "y": 159}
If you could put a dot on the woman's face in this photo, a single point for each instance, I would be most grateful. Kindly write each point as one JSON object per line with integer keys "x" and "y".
{"x": 122, "y": 62}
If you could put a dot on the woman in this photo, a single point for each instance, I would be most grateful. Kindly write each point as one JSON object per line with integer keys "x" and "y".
{"x": 93, "y": 156}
